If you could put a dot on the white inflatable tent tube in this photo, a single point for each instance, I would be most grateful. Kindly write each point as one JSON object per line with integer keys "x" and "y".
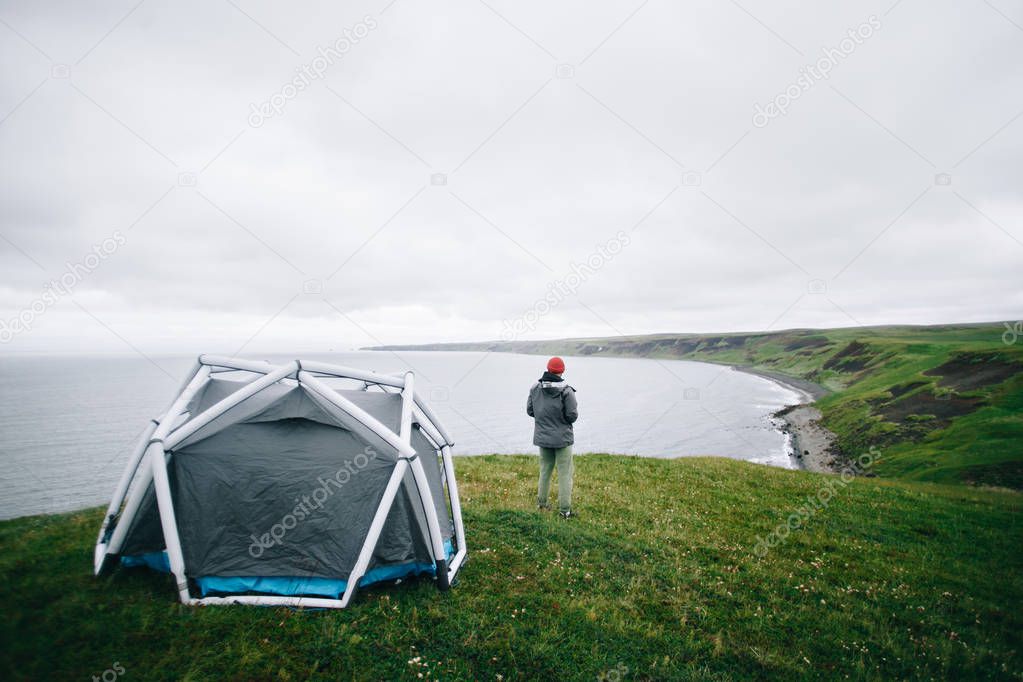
{"x": 267, "y": 600}
{"x": 407, "y": 391}
{"x": 435, "y": 429}
{"x": 375, "y": 528}
{"x": 129, "y": 473}
{"x": 219, "y": 408}
{"x": 452, "y": 483}
{"x": 120, "y": 492}
{"x": 168, "y": 521}
{"x": 428, "y": 426}
{"x": 386, "y": 502}
{"x": 146, "y": 473}
{"x": 456, "y": 564}
{"x": 313, "y": 366}
{"x": 432, "y": 416}
{"x": 316, "y": 367}
{"x": 368, "y": 420}
{"x": 182, "y": 387}
{"x": 408, "y": 397}
{"x": 423, "y": 483}
{"x": 449, "y": 473}
{"x": 425, "y": 420}
{"x": 132, "y": 465}
{"x": 456, "y": 507}
{"x": 161, "y": 482}
{"x": 133, "y": 460}
{"x": 257, "y": 366}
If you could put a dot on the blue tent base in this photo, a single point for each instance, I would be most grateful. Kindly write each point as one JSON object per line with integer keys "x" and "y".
{"x": 287, "y": 586}
{"x": 156, "y": 561}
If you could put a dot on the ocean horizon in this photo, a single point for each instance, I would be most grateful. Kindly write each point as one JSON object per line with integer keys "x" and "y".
{"x": 68, "y": 422}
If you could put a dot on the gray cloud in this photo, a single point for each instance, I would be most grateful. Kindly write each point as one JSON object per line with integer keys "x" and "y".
{"x": 325, "y": 227}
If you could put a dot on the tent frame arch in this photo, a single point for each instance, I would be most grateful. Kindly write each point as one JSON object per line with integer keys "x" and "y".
{"x": 147, "y": 464}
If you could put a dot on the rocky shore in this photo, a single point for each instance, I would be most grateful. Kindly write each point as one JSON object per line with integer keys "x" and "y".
{"x": 813, "y": 446}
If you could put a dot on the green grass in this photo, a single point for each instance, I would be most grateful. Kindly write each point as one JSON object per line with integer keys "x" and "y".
{"x": 967, "y": 427}
{"x": 658, "y": 579}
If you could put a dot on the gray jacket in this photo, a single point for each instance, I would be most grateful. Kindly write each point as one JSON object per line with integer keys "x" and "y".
{"x": 553, "y": 407}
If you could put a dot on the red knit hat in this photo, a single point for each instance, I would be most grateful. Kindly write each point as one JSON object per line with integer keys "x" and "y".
{"x": 556, "y": 365}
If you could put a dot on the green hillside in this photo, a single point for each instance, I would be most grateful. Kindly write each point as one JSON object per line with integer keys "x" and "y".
{"x": 944, "y": 403}
{"x": 659, "y": 579}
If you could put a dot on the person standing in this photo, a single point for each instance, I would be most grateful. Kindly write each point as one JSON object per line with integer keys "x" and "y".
{"x": 553, "y": 407}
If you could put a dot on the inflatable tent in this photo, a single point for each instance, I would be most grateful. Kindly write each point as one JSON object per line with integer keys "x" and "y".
{"x": 288, "y": 485}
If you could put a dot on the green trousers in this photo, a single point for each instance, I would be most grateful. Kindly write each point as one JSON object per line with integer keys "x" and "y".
{"x": 562, "y": 457}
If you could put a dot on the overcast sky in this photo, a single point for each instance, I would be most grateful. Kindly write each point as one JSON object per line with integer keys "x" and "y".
{"x": 444, "y": 165}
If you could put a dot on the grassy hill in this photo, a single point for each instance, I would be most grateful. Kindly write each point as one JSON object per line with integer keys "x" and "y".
{"x": 660, "y": 578}
{"x": 945, "y": 403}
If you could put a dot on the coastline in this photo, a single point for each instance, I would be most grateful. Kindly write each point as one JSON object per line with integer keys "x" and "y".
{"x": 813, "y": 446}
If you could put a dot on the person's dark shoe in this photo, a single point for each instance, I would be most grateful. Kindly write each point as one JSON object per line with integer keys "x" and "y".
{"x": 569, "y": 515}
{"x": 543, "y": 507}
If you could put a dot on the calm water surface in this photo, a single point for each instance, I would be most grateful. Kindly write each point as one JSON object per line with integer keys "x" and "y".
{"x": 67, "y": 423}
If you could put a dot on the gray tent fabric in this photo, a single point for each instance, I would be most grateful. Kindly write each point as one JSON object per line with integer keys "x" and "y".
{"x": 286, "y": 484}
{"x": 215, "y": 390}
{"x": 239, "y": 490}
{"x": 435, "y": 478}
{"x": 145, "y": 534}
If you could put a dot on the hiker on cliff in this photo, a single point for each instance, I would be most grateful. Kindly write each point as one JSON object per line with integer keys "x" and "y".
{"x": 553, "y": 407}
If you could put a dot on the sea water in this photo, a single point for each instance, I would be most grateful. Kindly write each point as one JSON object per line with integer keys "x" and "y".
{"x": 68, "y": 423}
